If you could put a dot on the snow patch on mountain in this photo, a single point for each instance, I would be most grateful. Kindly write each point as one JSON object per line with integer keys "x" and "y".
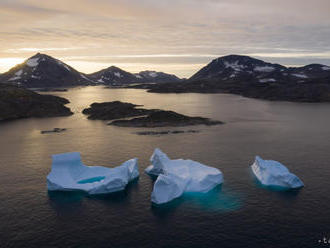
{"x": 117, "y": 74}
{"x": 326, "y": 68}
{"x": 153, "y": 74}
{"x": 299, "y": 75}
{"x": 33, "y": 62}
{"x": 19, "y": 73}
{"x": 264, "y": 68}
{"x": 235, "y": 66}
{"x": 14, "y": 78}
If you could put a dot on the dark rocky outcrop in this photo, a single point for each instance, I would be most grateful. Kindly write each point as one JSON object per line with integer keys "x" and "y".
{"x": 54, "y": 130}
{"x": 114, "y": 110}
{"x": 17, "y": 102}
{"x": 163, "y": 118}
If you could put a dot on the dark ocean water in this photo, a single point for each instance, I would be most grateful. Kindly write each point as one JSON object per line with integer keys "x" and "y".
{"x": 240, "y": 213}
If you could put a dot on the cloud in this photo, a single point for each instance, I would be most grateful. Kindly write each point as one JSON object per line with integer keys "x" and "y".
{"x": 168, "y": 28}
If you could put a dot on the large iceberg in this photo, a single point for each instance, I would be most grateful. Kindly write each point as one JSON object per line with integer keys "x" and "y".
{"x": 68, "y": 173}
{"x": 178, "y": 176}
{"x": 273, "y": 173}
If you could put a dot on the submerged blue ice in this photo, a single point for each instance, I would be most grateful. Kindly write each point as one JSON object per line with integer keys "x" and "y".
{"x": 91, "y": 180}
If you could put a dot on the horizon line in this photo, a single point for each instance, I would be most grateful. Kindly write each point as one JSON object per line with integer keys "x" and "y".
{"x": 84, "y": 59}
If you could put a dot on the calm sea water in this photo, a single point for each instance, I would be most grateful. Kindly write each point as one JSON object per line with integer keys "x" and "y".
{"x": 241, "y": 213}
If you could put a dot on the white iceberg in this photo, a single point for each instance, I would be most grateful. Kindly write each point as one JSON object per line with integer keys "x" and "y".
{"x": 68, "y": 173}
{"x": 178, "y": 176}
{"x": 273, "y": 173}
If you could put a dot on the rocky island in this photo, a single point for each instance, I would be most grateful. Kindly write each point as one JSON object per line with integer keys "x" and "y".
{"x": 17, "y": 102}
{"x": 117, "y": 111}
{"x": 162, "y": 118}
{"x": 114, "y": 110}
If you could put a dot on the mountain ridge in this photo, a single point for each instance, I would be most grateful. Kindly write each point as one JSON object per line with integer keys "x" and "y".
{"x": 246, "y": 68}
{"x": 238, "y": 74}
{"x": 42, "y": 70}
{"x": 250, "y": 77}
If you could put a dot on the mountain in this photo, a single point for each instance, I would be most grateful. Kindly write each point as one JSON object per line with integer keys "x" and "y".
{"x": 248, "y": 69}
{"x": 255, "y": 78}
{"x": 42, "y": 70}
{"x": 156, "y": 77}
{"x": 236, "y": 67}
{"x": 113, "y": 76}
{"x": 17, "y": 102}
{"x": 116, "y": 76}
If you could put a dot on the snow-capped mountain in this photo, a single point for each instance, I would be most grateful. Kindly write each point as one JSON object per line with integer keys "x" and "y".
{"x": 243, "y": 68}
{"x": 42, "y": 70}
{"x": 156, "y": 77}
{"x": 255, "y": 78}
{"x": 113, "y": 76}
{"x": 116, "y": 76}
{"x": 233, "y": 67}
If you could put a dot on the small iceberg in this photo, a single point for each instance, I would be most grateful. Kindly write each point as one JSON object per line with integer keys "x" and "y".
{"x": 273, "y": 173}
{"x": 68, "y": 173}
{"x": 178, "y": 176}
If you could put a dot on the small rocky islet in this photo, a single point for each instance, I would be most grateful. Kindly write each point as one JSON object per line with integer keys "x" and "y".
{"x": 149, "y": 118}
{"x": 17, "y": 102}
{"x": 162, "y": 118}
{"x": 114, "y": 110}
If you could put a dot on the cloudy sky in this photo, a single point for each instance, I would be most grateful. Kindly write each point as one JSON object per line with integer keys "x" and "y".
{"x": 176, "y": 36}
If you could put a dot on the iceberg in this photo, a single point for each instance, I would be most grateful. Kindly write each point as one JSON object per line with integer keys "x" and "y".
{"x": 68, "y": 173}
{"x": 178, "y": 176}
{"x": 273, "y": 173}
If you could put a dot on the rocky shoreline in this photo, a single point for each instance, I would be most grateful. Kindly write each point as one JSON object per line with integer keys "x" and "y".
{"x": 114, "y": 110}
{"x": 17, "y": 102}
{"x": 311, "y": 91}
